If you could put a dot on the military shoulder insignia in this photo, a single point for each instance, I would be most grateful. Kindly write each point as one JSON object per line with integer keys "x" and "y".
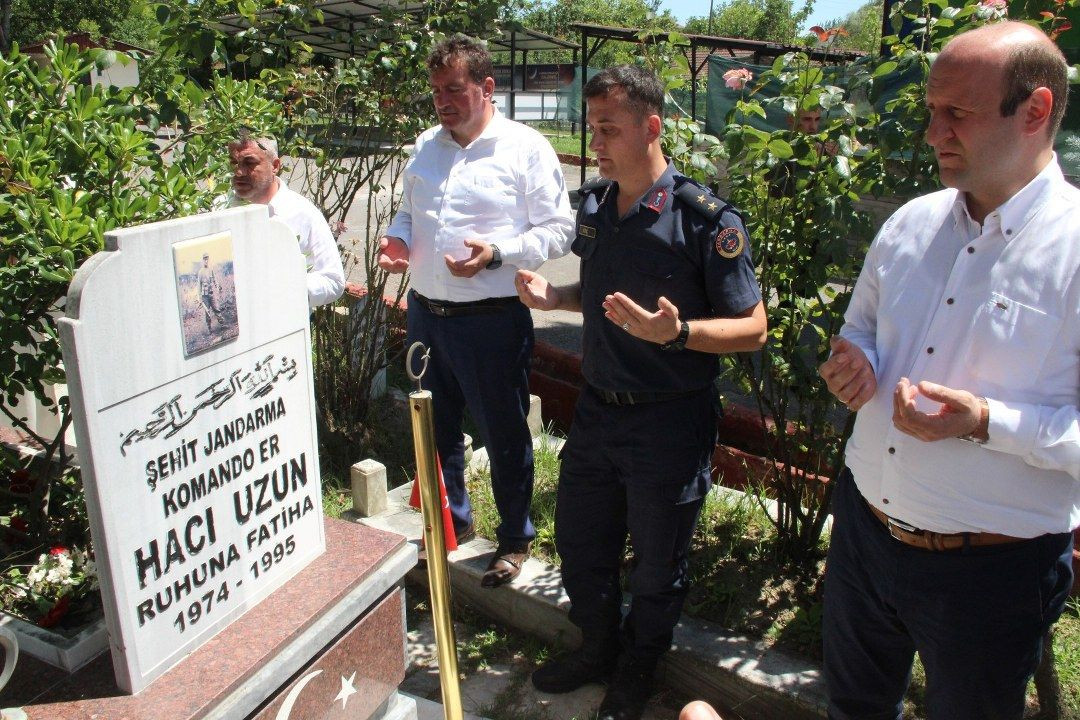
{"x": 586, "y": 230}
{"x": 730, "y": 242}
{"x": 701, "y": 199}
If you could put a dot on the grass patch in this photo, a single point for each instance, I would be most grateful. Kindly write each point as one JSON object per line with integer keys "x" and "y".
{"x": 569, "y": 144}
{"x": 739, "y": 583}
{"x": 546, "y": 480}
{"x": 336, "y": 495}
{"x": 1067, "y": 659}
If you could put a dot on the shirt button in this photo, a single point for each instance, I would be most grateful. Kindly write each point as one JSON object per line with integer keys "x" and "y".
{"x": 1009, "y": 231}
{"x": 929, "y": 351}
{"x": 950, "y": 301}
{"x": 971, "y": 250}
{"x": 615, "y": 230}
{"x": 885, "y": 501}
{"x": 892, "y": 451}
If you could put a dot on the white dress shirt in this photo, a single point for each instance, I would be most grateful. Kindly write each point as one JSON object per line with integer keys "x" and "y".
{"x": 505, "y": 188}
{"x": 994, "y": 310}
{"x": 325, "y": 276}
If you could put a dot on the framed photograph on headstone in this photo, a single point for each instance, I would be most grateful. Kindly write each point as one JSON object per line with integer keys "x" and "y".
{"x": 206, "y": 292}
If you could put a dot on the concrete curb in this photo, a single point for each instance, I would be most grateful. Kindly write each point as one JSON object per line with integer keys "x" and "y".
{"x": 731, "y": 671}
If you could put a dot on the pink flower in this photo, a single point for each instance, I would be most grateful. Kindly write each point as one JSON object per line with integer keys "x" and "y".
{"x": 737, "y": 79}
{"x": 998, "y": 5}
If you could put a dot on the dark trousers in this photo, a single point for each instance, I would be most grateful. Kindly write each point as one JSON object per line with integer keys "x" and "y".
{"x": 481, "y": 362}
{"x": 641, "y": 470}
{"x": 976, "y": 617}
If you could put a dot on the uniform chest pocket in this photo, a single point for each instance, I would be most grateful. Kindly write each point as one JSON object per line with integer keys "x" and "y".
{"x": 649, "y": 275}
{"x": 1010, "y": 342}
{"x": 584, "y": 245}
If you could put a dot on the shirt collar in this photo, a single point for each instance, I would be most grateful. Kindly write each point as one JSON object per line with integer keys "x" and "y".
{"x": 1021, "y": 207}
{"x": 279, "y": 198}
{"x": 658, "y": 197}
{"x": 490, "y": 131}
{"x": 1013, "y": 214}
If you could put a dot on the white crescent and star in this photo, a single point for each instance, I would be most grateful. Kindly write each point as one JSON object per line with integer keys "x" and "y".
{"x": 347, "y": 690}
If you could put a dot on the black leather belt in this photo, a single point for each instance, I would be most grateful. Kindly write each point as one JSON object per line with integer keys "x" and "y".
{"x": 446, "y": 308}
{"x": 637, "y": 398}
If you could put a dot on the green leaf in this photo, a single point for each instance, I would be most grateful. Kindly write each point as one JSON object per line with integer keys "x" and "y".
{"x": 780, "y": 148}
{"x": 843, "y": 166}
{"x": 162, "y": 13}
{"x": 884, "y": 68}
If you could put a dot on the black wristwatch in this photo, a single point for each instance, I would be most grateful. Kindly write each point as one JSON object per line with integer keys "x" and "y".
{"x": 496, "y": 259}
{"x": 679, "y": 343}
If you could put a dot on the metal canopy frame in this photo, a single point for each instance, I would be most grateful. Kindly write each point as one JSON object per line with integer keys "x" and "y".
{"x": 759, "y": 49}
{"x": 340, "y": 35}
{"x": 524, "y": 40}
{"x": 343, "y": 21}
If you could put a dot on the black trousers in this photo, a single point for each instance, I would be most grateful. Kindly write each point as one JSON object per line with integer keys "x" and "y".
{"x": 643, "y": 471}
{"x": 481, "y": 362}
{"x": 976, "y": 617}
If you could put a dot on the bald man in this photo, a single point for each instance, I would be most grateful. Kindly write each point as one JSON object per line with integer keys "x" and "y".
{"x": 961, "y": 354}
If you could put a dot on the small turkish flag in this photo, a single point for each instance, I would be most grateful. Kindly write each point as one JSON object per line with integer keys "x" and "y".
{"x": 447, "y": 518}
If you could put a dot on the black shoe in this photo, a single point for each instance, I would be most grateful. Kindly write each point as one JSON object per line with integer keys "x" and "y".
{"x": 571, "y": 671}
{"x": 627, "y": 694}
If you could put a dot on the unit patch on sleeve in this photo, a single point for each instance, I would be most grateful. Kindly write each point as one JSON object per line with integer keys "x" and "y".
{"x": 730, "y": 242}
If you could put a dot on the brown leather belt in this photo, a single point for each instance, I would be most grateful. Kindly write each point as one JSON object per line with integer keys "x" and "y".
{"x": 929, "y": 540}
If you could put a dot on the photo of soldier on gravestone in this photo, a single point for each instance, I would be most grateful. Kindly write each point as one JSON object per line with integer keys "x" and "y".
{"x": 204, "y": 286}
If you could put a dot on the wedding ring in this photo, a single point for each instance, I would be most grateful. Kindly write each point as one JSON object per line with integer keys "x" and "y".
{"x": 626, "y": 326}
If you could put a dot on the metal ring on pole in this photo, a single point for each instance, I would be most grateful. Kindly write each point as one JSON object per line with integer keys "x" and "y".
{"x": 409, "y": 362}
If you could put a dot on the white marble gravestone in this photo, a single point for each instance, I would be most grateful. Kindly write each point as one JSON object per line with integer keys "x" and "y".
{"x": 188, "y": 357}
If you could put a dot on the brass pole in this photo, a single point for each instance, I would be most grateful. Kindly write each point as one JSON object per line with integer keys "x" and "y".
{"x": 435, "y": 541}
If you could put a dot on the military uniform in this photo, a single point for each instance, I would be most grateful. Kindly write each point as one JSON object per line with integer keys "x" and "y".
{"x": 638, "y": 458}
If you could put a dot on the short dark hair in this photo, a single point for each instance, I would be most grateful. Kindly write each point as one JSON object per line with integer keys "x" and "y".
{"x": 472, "y": 52}
{"x": 1033, "y": 65}
{"x": 644, "y": 92}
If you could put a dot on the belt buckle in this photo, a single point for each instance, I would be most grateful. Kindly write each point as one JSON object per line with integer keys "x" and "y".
{"x": 894, "y": 525}
{"x": 439, "y": 310}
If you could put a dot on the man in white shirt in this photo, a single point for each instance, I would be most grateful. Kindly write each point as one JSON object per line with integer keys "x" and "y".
{"x": 961, "y": 354}
{"x": 255, "y": 164}
{"x": 482, "y": 197}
